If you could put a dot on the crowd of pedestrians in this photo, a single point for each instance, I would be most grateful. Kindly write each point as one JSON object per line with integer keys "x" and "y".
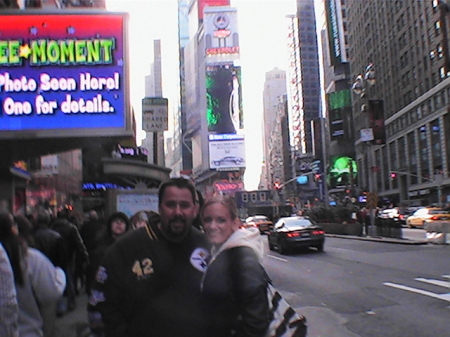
{"x": 186, "y": 270}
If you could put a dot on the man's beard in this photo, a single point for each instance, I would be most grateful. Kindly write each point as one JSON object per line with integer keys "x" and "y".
{"x": 176, "y": 229}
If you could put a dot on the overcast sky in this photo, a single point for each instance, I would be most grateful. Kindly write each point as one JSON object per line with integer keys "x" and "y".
{"x": 262, "y": 29}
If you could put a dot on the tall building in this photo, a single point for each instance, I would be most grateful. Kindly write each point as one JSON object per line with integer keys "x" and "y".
{"x": 304, "y": 92}
{"x": 190, "y": 19}
{"x": 339, "y": 131}
{"x": 407, "y": 44}
{"x": 274, "y": 91}
{"x": 182, "y": 144}
{"x": 154, "y": 141}
{"x": 213, "y": 98}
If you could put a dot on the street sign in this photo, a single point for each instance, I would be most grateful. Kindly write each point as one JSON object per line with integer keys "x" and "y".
{"x": 155, "y": 116}
{"x": 366, "y": 135}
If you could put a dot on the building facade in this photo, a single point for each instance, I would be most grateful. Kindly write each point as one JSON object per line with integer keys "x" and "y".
{"x": 339, "y": 132}
{"x": 304, "y": 95}
{"x": 212, "y": 101}
{"x": 407, "y": 43}
{"x": 154, "y": 141}
{"x": 273, "y": 109}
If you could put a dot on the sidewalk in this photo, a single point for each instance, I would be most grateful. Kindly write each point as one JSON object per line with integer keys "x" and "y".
{"x": 403, "y": 241}
{"x": 409, "y": 237}
{"x": 74, "y": 323}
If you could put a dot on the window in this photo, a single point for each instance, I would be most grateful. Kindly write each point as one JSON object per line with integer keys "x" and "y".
{"x": 262, "y": 196}
{"x": 437, "y": 28}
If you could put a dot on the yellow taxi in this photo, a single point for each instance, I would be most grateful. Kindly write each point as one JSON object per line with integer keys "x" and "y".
{"x": 262, "y": 222}
{"x": 423, "y": 215}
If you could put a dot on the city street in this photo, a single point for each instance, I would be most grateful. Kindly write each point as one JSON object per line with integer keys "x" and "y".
{"x": 355, "y": 288}
{"x": 363, "y": 288}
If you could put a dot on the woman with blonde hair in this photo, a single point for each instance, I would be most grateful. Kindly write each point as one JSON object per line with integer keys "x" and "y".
{"x": 234, "y": 287}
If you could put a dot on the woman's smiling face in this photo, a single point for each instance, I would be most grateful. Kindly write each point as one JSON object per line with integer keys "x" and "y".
{"x": 217, "y": 223}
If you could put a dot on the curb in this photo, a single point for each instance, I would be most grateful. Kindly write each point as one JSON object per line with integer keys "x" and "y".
{"x": 379, "y": 239}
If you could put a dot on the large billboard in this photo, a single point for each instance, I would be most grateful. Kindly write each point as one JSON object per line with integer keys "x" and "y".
{"x": 339, "y": 105}
{"x": 202, "y": 4}
{"x": 226, "y": 152}
{"x": 63, "y": 74}
{"x": 336, "y": 38}
{"x": 342, "y": 172}
{"x": 224, "y": 98}
{"x": 221, "y": 34}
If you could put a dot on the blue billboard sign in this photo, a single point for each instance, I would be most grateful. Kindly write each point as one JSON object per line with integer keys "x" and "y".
{"x": 63, "y": 71}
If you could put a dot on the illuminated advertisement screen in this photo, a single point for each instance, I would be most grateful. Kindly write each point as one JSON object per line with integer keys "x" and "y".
{"x": 224, "y": 98}
{"x": 343, "y": 171}
{"x": 62, "y": 71}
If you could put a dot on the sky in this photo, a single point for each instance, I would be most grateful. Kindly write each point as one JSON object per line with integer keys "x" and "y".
{"x": 262, "y": 28}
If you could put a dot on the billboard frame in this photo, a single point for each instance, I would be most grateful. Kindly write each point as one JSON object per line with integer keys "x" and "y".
{"x": 108, "y": 131}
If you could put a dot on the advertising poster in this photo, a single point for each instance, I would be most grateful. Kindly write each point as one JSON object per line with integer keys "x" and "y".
{"x": 221, "y": 34}
{"x": 342, "y": 172}
{"x": 132, "y": 203}
{"x": 224, "y": 99}
{"x": 62, "y": 71}
{"x": 226, "y": 151}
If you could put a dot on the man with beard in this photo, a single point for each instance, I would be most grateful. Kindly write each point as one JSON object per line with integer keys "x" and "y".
{"x": 149, "y": 281}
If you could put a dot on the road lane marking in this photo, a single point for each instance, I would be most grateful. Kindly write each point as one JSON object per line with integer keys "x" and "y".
{"x": 277, "y": 258}
{"x": 440, "y": 283}
{"x": 444, "y": 297}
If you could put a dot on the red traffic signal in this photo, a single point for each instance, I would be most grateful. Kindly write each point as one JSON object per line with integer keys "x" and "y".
{"x": 393, "y": 175}
{"x": 277, "y": 185}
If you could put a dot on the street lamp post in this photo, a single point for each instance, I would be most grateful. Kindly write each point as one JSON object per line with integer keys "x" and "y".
{"x": 360, "y": 88}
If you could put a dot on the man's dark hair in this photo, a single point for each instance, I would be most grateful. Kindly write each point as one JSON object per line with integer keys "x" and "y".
{"x": 177, "y": 182}
{"x": 43, "y": 218}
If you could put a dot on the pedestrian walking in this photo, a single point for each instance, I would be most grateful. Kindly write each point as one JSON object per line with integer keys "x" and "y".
{"x": 149, "y": 281}
{"x": 116, "y": 226}
{"x": 9, "y": 310}
{"x": 140, "y": 219}
{"x": 91, "y": 233}
{"x": 39, "y": 284}
{"x": 234, "y": 287}
{"x": 75, "y": 249}
{"x": 44, "y": 239}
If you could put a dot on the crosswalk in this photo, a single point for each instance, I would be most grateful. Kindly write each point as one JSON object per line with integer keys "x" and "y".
{"x": 440, "y": 283}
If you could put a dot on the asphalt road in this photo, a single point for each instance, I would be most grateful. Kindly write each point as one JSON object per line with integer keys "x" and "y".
{"x": 366, "y": 288}
{"x": 355, "y": 288}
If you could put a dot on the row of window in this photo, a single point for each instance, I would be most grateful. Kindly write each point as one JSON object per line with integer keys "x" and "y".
{"x": 434, "y": 103}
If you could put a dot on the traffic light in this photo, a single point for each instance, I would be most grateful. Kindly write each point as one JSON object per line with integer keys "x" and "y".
{"x": 317, "y": 177}
{"x": 393, "y": 175}
{"x": 277, "y": 185}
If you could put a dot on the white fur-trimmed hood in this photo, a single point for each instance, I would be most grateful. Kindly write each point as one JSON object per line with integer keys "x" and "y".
{"x": 250, "y": 237}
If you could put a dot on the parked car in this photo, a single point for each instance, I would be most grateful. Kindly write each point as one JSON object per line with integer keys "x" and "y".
{"x": 423, "y": 215}
{"x": 399, "y": 214}
{"x": 262, "y": 222}
{"x": 389, "y": 213}
{"x": 228, "y": 160}
{"x": 296, "y": 231}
